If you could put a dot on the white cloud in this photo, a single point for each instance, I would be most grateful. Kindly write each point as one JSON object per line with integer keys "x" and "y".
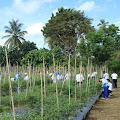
{"x": 35, "y": 29}
{"x": 87, "y": 6}
{"x": 35, "y": 34}
{"x": 2, "y": 42}
{"x": 26, "y": 6}
{"x": 29, "y": 6}
{"x": 54, "y": 11}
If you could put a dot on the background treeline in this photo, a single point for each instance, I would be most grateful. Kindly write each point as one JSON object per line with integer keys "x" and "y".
{"x": 67, "y": 32}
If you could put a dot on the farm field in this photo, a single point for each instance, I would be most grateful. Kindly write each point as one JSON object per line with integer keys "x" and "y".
{"x": 36, "y": 102}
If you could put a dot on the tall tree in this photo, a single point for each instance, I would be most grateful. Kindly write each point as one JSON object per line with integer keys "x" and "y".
{"x": 102, "y": 24}
{"x": 101, "y": 44}
{"x": 64, "y": 28}
{"x": 14, "y": 34}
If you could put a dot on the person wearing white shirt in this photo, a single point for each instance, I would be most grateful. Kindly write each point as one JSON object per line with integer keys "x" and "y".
{"x": 13, "y": 79}
{"x": 67, "y": 76}
{"x": 110, "y": 87}
{"x": 26, "y": 78}
{"x": 61, "y": 77}
{"x": 79, "y": 79}
{"x": 58, "y": 76}
{"x": 103, "y": 81}
{"x": 94, "y": 74}
{"x": 114, "y": 77}
{"x": 105, "y": 75}
{"x": 17, "y": 75}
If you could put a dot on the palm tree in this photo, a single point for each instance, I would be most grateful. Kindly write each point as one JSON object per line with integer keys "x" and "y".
{"x": 14, "y": 34}
{"x": 102, "y": 24}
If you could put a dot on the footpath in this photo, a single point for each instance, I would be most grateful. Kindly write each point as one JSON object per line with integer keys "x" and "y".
{"x": 106, "y": 109}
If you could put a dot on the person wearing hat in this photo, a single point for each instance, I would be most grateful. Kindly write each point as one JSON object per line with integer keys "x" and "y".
{"x": 13, "y": 79}
{"x": 58, "y": 76}
{"x": 17, "y": 75}
{"x": 26, "y": 78}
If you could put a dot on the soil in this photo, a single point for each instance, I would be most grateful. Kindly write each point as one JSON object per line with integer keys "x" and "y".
{"x": 106, "y": 109}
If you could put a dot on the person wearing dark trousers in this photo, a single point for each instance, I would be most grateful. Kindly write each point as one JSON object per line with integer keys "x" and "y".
{"x": 114, "y": 77}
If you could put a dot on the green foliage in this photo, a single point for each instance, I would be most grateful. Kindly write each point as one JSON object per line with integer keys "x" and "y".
{"x": 14, "y": 34}
{"x": 114, "y": 63}
{"x": 101, "y": 43}
{"x": 32, "y": 101}
{"x": 36, "y": 57}
{"x": 64, "y": 28}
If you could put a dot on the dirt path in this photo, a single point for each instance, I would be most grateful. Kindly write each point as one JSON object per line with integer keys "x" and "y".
{"x": 107, "y": 109}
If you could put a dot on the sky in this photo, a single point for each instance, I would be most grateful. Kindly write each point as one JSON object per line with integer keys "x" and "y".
{"x": 35, "y": 13}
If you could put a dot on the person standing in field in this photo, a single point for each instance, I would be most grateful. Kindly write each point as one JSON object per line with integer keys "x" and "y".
{"x": 105, "y": 75}
{"x": 94, "y": 74}
{"x": 26, "y": 78}
{"x": 67, "y": 75}
{"x": 114, "y": 77}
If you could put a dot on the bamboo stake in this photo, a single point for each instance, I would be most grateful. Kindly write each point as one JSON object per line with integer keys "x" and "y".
{"x": 13, "y": 108}
{"x": 87, "y": 75}
{"x": 75, "y": 79}
{"x": 33, "y": 77}
{"x": 30, "y": 75}
{"x": 18, "y": 78}
{"x": 80, "y": 78}
{"x": 0, "y": 85}
{"x": 69, "y": 77}
{"x": 90, "y": 75}
{"x": 56, "y": 83}
{"x": 41, "y": 95}
{"x": 27, "y": 82}
{"x": 44, "y": 78}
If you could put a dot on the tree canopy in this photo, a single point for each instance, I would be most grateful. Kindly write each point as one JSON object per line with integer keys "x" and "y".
{"x": 101, "y": 43}
{"x": 65, "y": 28}
{"x": 14, "y": 34}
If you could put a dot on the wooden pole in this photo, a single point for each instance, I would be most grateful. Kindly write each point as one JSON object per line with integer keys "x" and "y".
{"x": 41, "y": 95}
{"x": 56, "y": 83}
{"x": 87, "y": 75}
{"x": 13, "y": 108}
{"x": 75, "y": 80}
{"x": 69, "y": 77}
{"x": 18, "y": 79}
{"x": 80, "y": 78}
{"x": 90, "y": 75}
{"x": 44, "y": 78}
{"x": 0, "y": 84}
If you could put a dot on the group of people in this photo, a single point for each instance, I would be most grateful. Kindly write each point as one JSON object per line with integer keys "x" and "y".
{"x": 79, "y": 76}
{"x": 107, "y": 85}
{"x": 17, "y": 76}
{"x": 58, "y": 77}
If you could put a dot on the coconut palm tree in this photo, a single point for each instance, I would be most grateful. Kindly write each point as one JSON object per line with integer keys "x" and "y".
{"x": 102, "y": 24}
{"x": 14, "y": 34}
